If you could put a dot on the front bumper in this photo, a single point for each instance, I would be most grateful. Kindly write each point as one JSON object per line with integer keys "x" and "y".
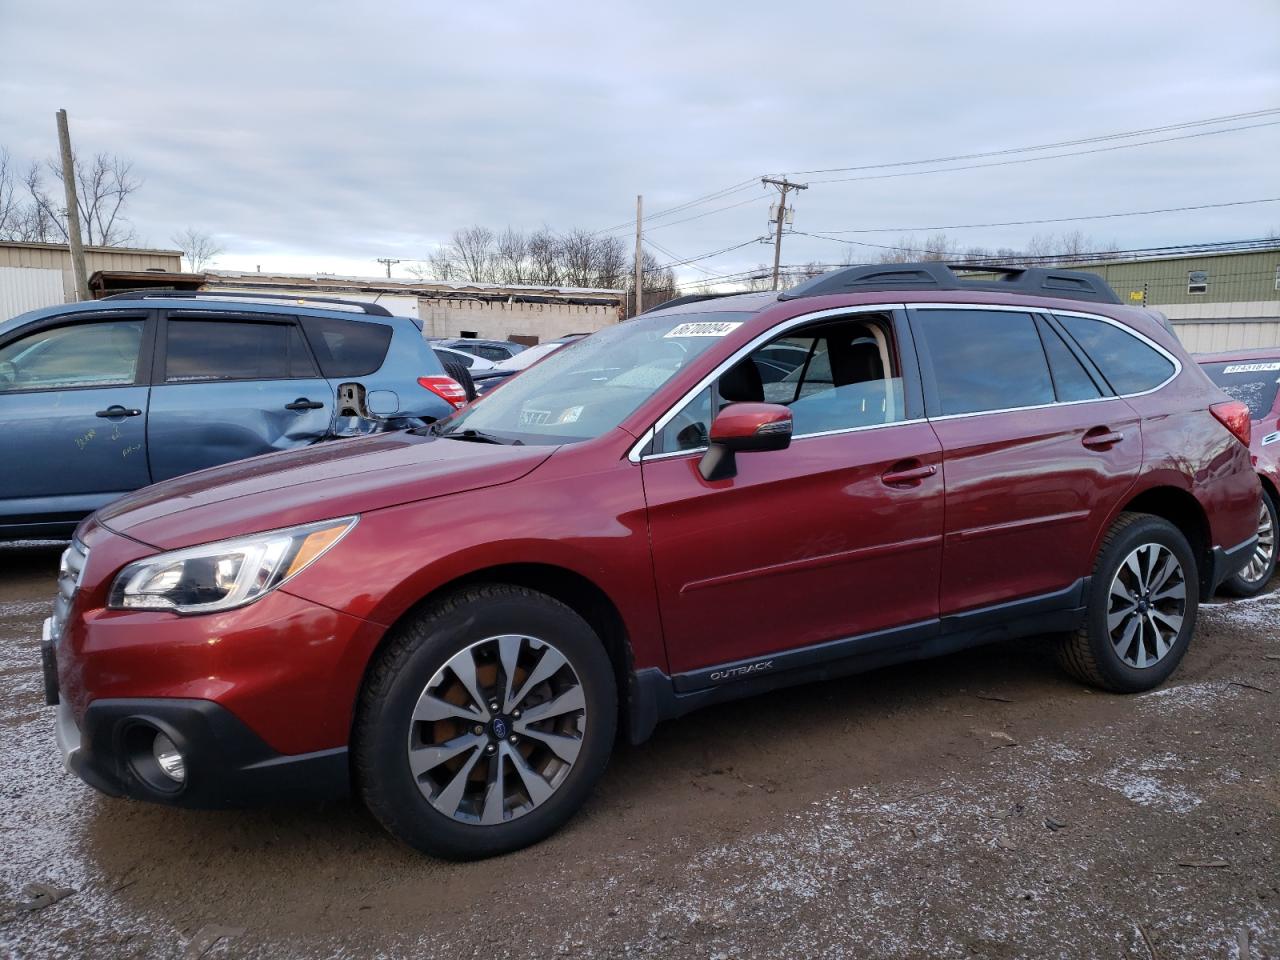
{"x": 227, "y": 765}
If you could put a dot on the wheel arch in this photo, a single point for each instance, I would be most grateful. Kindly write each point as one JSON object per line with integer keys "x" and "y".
{"x": 576, "y": 591}
{"x": 1185, "y": 512}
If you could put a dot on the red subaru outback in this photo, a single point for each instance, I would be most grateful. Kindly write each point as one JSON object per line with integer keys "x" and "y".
{"x": 715, "y": 499}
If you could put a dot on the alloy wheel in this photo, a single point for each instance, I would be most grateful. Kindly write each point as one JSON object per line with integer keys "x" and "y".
{"x": 1260, "y": 562}
{"x": 497, "y": 729}
{"x": 1148, "y": 601}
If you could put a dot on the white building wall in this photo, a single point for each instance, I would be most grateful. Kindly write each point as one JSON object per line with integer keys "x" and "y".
{"x": 443, "y": 317}
{"x": 28, "y": 288}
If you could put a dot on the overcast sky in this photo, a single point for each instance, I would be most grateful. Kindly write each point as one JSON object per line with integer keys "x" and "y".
{"x": 319, "y": 136}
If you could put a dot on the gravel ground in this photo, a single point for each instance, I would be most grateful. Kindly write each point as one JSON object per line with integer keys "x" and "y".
{"x": 976, "y": 806}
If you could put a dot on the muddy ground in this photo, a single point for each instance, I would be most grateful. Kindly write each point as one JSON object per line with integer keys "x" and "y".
{"x": 976, "y": 806}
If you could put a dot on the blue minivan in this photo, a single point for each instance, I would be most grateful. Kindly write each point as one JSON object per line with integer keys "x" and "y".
{"x": 101, "y": 398}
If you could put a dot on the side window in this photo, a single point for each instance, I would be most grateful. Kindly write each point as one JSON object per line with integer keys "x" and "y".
{"x": 199, "y": 351}
{"x": 1071, "y": 380}
{"x": 347, "y": 348}
{"x": 834, "y": 376}
{"x": 1129, "y": 365}
{"x": 985, "y": 360}
{"x": 96, "y": 354}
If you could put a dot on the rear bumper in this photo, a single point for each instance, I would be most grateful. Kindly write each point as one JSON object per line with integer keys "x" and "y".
{"x": 227, "y": 765}
{"x": 1229, "y": 561}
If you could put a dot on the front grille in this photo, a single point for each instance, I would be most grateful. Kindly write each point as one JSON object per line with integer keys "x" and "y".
{"x": 70, "y": 572}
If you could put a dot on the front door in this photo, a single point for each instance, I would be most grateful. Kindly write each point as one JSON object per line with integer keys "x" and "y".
{"x": 1035, "y": 452}
{"x": 231, "y": 387}
{"x": 73, "y": 403}
{"x": 836, "y": 537}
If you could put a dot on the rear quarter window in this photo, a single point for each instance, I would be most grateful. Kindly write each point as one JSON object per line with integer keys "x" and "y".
{"x": 1129, "y": 365}
{"x": 347, "y": 348}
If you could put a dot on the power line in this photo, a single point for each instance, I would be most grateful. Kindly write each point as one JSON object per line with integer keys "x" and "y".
{"x": 1052, "y": 156}
{"x": 1186, "y": 124}
{"x": 1021, "y": 223}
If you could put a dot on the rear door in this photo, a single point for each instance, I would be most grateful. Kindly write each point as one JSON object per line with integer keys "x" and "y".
{"x": 73, "y": 403}
{"x": 229, "y": 386}
{"x": 1036, "y": 450}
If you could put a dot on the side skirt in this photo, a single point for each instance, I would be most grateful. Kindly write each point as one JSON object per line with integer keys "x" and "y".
{"x": 654, "y": 696}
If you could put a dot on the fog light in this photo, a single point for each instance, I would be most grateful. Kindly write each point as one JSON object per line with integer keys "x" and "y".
{"x": 168, "y": 758}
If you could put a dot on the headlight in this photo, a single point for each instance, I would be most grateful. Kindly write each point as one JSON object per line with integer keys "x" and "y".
{"x": 223, "y": 575}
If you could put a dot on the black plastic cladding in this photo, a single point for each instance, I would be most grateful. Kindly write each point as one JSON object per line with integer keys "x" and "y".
{"x": 1033, "y": 281}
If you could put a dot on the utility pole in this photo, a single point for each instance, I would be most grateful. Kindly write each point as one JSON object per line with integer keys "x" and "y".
{"x": 73, "y": 209}
{"x": 783, "y": 186}
{"x": 388, "y": 261}
{"x": 639, "y": 256}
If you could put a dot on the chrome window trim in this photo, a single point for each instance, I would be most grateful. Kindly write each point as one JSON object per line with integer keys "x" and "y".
{"x": 647, "y": 437}
{"x": 772, "y": 333}
{"x": 1031, "y": 311}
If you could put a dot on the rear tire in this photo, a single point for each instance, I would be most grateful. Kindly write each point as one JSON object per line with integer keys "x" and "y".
{"x": 1141, "y": 608}
{"x": 1253, "y": 579}
{"x": 484, "y": 723}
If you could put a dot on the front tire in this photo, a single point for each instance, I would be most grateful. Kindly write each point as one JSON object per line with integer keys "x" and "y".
{"x": 1253, "y": 579}
{"x": 1143, "y": 598}
{"x": 485, "y": 723}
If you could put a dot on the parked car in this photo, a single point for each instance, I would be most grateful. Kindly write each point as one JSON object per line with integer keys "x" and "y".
{"x": 472, "y": 362}
{"x": 492, "y": 350}
{"x": 486, "y": 380}
{"x": 101, "y": 398}
{"x": 1252, "y": 377}
{"x": 454, "y": 621}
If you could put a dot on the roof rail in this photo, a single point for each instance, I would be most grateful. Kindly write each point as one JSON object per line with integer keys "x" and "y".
{"x": 691, "y": 298}
{"x": 162, "y": 293}
{"x": 1036, "y": 281}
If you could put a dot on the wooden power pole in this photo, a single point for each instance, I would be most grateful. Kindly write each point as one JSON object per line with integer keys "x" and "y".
{"x": 73, "y": 209}
{"x": 783, "y": 186}
{"x": 639, "y": 256}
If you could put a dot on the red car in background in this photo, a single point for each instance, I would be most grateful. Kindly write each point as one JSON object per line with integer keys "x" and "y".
{"x": 1252, "y": 376}
{"x": 716, "y": 498}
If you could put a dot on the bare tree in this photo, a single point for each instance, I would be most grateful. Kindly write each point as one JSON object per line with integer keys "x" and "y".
{"x": 199, "y": 249}
{"x": 472, "y": 253}
{"x": 544, "y": 257}
{"x": 511, "y": 256}
{"x": 103, "y": 186}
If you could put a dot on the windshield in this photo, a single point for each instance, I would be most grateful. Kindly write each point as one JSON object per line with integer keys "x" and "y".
{"x": 1252, "y": 382}
{"x": 588, "y": 387}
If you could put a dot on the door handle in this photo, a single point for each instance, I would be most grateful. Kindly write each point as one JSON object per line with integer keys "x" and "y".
{"x": 302, "y": 403}
{"x": 115, "y": 410}
{"x": 906, "y": 476}
{"x": 1099, "y": 438}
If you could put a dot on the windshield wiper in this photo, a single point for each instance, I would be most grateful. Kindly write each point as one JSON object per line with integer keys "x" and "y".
{"x": 479, "y": 436}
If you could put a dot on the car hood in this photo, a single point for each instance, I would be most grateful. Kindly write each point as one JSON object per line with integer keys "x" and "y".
{"x": 315, "y": 483}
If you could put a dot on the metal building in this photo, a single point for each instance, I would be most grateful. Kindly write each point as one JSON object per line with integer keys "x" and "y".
{"x": 1216, "y": 301}
{"x": 36, "y": 275}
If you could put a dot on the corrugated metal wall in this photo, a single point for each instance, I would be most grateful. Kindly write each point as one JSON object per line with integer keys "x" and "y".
{"x": 28, "y": 288}
{"x": 1210, "y": 336}
{"x": 50, "y": 256}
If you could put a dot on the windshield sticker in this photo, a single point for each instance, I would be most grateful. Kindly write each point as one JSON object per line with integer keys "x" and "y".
{"x": 1242, "y": 367}
{"x": 711, "y": 329}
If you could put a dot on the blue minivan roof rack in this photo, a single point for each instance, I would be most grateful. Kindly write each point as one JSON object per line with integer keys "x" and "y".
{"x": 1033, "y": 281}
{"x": 159, "y": 293}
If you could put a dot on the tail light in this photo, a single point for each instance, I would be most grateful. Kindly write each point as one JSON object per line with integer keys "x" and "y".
{"x": 1234, "y": 415}
{"x": 446, "y": 388}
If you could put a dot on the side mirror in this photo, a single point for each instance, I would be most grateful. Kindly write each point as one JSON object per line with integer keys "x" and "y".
{"x": 744, "y": 428}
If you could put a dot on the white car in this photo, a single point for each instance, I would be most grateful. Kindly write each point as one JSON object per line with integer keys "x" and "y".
{"x": 469, "y": 360}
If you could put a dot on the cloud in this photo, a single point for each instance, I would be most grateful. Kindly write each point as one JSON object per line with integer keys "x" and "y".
{"x": 329, "y": 132}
